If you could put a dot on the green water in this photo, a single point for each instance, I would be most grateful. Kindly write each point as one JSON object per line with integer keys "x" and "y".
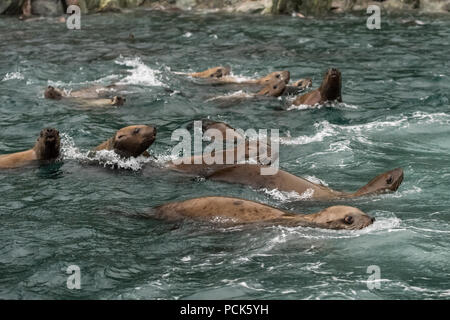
{"x": 395, "y": 114}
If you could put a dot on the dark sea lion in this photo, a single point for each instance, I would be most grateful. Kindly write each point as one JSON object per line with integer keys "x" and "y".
{"x": 329, "y": 90}
{"x": 213, "y": 73}
{"x": 131, "y": 141}
{"x": 89, "y": 96}
{"x": 250, "y": 174}
{"x": 234, "y": 211}
{"x": 47, "y": 148}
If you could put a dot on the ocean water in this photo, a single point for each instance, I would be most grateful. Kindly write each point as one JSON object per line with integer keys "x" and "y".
{"x": 395, "y": 114}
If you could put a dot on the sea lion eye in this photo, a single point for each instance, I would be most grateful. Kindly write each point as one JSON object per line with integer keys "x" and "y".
{"x": 389, "y": 180}
{"x": 136, "y": 131}
{"x": 278, "y": 76}
{"x": 275, "y": 87}
{"x": 348, "y": 219}
{"x": 120, "y": 137}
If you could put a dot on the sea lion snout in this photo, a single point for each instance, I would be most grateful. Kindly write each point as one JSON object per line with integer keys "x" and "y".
{"x": 334, "y": 73}
{"x": 49, "y": 134}
{"x": 52, "y": 93}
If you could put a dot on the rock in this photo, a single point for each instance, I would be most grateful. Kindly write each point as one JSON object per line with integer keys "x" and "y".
{"x": 186, "y": 4}
{"x": 252, "y": 6}
{"x": 47, "y": 7}
{"x": 80, "y": 3}
{"x": 4, "y": 5}
{"x": 11, "y": 7}
{"x": 434, "y": 6}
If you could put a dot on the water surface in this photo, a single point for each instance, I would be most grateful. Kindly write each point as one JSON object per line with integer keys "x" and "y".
{"x": 395, "y": 114}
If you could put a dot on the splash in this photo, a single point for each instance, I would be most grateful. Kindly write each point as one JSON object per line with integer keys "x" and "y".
{"x": 286, "y": 196}
{"x": 13, "y": 76}
{"x": 139, "y": 74}
{"x": 106, "y": 158}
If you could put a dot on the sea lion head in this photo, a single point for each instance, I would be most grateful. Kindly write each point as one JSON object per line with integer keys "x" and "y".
{"x": 53, "y": 93}
{"x": 47, "y": 146}
{"x": 118, "y": 101}
{"x": 273, "y": 89}
{"x": 385, "y": 182}
{"x": 213, "y": 73}
{"x": 341, "y": 217}
{"x": 330, "y": 89}
{"x": 303, "y": 83}
{"x": 132, "y": 141}
{"x": 276, "y": 76}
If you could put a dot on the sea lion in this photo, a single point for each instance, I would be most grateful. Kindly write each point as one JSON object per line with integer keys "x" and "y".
{"x": 298, "y": 86}
{"x": 329, "y": 90}
{"x": 131, "y": 141}
{"x": 222, "y": 75}
{"x": 47, "y": 148}
{"x": 235, "y": 211}
{"x": 274, "y": 88}
{"x": 213, "y": 73}
{"x": 90, "y": 96}
{"x": 250, "y": 174}
{"x": 203, "y": 164}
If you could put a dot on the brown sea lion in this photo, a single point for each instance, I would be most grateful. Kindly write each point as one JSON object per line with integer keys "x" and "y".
{"x": 47, "y": 148}
{"x": 273, "y": 89}
{"x": 131, "y": 141}
{"x": 250, "y": 174}
{"x": 234, "y": 211}
{"x": 298, "y": 86}
{"x": 213, "y": 73}
{"x": 201, "y": 164}
{"x": 329, "y": 90}
{"x": 222, "y": 75}
{"x": 89, "y": 96}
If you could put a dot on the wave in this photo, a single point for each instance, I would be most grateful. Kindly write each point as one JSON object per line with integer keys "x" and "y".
{"x": 13, "y": 76}
{"x": 140, "y": 73}
{"x": 359, "y": 132}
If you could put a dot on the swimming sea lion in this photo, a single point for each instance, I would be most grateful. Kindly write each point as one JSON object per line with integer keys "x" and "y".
{"x": 250, "y": 174}
{"x": 89, "y": 96}
{"x": 213, "y": 73}
{"x": 298, "y": 86}
{"x": 206, "y": 164}
{"x": 329, "y": 90}
{"x": 131, "y": 141}
{"x": 47, "y": 148}
{"x": 222, "y": 75}
{"x": 273, "y": 89}
{"x": 236, "y": 211}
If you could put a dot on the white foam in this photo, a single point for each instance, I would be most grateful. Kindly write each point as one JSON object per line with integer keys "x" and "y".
{"x": 13, "y": 76}
{"x": 106, "y": 158}
{"x": 286, "y": 196}
{"x": 237, "y": 94}
{"x": 139, "y": 74}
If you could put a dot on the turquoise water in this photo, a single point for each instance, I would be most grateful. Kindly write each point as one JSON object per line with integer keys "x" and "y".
{"x": 395, "y": 114}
